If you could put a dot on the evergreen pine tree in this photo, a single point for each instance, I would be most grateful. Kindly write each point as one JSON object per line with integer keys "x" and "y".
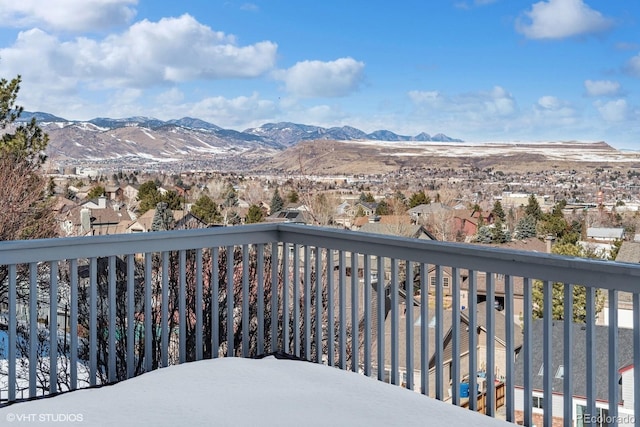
{"x": 276, "y": 202}
{"x": 163, "y": 218}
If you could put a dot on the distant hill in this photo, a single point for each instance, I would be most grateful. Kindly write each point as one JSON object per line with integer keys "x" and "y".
{"x": 191, "y": 143}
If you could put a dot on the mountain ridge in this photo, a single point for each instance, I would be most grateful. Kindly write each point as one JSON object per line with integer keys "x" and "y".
{"x": 279, "y": 133}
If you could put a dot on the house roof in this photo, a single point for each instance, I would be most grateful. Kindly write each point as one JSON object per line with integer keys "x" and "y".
{"x": 383, "y": 219}
{"x": 605, "y": 233}
{"x": 288, "y": 215}
{"x": 404, "y": 230}
{"x": 499, "y": 324}
{"x": 144, "y": 221}
{"x": 428, "y": 209}
{"x": 629, "y": 252}
{"x": 578, "y": 358}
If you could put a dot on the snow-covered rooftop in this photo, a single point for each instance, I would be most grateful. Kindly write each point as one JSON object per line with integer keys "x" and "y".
{"x": 245, "y": 392}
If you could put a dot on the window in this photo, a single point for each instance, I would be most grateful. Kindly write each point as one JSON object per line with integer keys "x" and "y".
{"x": 541, "y": 371}
{"x": 598, "y": 419}
{"x": 560, "y": 372}
{"x": 432, "y": 281}
{"x": 538, "y": 402}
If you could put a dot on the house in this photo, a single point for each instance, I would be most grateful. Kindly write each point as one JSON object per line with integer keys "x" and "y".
{"x": 466, "y": 221}
{"x": 292, "y": 216}
{"x": 363, "y": 208}
{"x": 605, "y": 234}
{"x": 359, "y": 221}
{"x": 95, "y": 217}
{"x": 499, "y": 291}
{"x": 578, "y": 372}
{"x": 425, "y": 212}
{"x": 447, "y": 345}
{"x": 629, "y": 252}
{"x": 403, "y": 230}
{"x": 500, "y": 342}
{"x": 144, "y": 222}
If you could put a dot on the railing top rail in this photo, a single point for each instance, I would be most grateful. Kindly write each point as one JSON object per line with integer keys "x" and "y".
{"x": 26, "y": 251}
{"x": 589, "y": 272}
{"x": 543, "y": 266}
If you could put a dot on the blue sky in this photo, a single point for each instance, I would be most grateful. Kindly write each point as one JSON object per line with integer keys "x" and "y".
{"x": 480, "y": 70}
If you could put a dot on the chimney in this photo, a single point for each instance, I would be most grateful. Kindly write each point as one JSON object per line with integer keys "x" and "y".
{"x": 85, "y": 221}
{"x": 102, "y": 202}
{"x": 550, "y": 239}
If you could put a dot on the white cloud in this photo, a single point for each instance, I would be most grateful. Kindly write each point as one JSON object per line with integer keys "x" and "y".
{"x": 601, "y": 87}
{"x": 67, "y": 15}
{"x": 227, "y": 112}
{"x": 432, "y": 98}
{"x": 556, "y": 19}
{"x": 317, "y": 79}
{"x": 474, "y": 112}
{"x": 148, "y": 53}
{"x": 497, "y": 102}
{"x": 633, "y": 66}
{"x": 250, "y": 7}
{"x": 552, "y": 110}
{"x": 613, "y": 111}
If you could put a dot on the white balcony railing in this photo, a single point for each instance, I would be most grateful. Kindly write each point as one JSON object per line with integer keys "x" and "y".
{"x": 86, "y": 311}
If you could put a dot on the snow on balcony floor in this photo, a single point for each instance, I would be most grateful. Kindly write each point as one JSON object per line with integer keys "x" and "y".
{"x": 245, "y": 392}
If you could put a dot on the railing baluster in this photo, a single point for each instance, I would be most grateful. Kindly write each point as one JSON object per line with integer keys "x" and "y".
{"x": 318, "y": 309}
{"x": 260, "y": 267}
{"x": 455, "y": 340}
{"x": 199, "y": 304}
{"x": 408, "y": 288}
{"x": 73, "y": 324}
{"x": 215, "y": 304}
{"x": 33, "y": 327}
{"x": 473, "y": 340}
{"x": 274, "y": 296}
{"x": 439, "y": 334}
{"x": 307, "y": 303}
{"x": 13, "y": 326}
{"x": 331, "y": 314}
{"x": 245, "y": 301}
{"x": 53, "y": 327}
{"x": 636, "y": 354}
{"x": 395, "y": 351}
{"x": 527, "y": 345}
{"x": 491, "y": 341}
{"x": 591, "y": 352}
{"x": 93, "y": 321}
{"x": 367, "y": 314}
{"x": 113, "y": 374}
{"x": 296, "y": 300}
{"x": 286, "y": 283}
{"x": 510, "y": 348}
{"x": 381, "y": 307}
{"x": 231, "y": 301}
{"x": 613, "y": 356}
{"x": 182, "y": 307}
{"x": 424, "y": 329}
{"x": 149, "y": 323}
{"x": 165, "y": 309}
{"x": 131, "y": 317}
{"x": 568, "y": 351}
{"x": 548, "y": 351}
{"x": 342, "y": 293}
{"x": 355, "y": 296}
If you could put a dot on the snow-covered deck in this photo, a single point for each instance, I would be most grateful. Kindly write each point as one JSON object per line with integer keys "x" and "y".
{"x": 244, "y": 392}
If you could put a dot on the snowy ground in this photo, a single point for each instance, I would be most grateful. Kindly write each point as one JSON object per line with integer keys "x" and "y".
{"x": 244, "y": 392}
